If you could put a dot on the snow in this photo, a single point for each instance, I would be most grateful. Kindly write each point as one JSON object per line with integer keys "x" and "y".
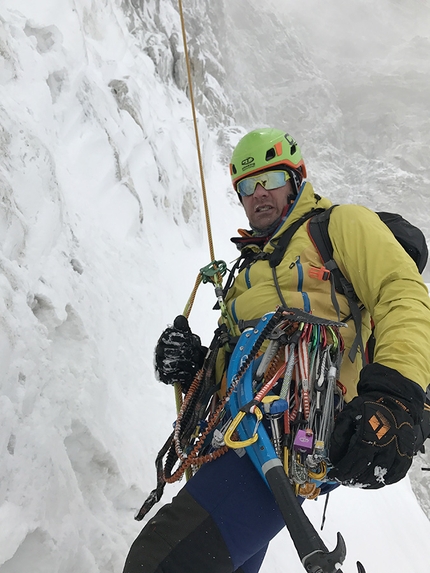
{"x": 102, "y": 234}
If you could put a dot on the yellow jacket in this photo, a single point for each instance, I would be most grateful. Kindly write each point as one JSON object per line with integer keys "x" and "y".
{"x": 384, "y": 277}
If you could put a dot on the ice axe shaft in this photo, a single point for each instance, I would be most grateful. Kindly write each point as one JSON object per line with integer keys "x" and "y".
{"x": 309, "y": 545}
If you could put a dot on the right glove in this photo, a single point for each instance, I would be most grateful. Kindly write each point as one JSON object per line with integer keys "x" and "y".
{"x": 179, "y": 354}
{"x": 373, "y": 438}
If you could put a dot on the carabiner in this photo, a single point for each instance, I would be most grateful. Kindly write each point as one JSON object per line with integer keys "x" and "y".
{"x": 233, "y": 426}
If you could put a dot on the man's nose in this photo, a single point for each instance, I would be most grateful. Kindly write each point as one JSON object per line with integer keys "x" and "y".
{"x": 260, "y": 191}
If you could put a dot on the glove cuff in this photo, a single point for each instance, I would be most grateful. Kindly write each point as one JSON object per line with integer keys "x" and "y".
{"x": 379, "y": 379}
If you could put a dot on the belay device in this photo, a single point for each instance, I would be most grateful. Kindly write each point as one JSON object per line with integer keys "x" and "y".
{"x": 284, "y": 419}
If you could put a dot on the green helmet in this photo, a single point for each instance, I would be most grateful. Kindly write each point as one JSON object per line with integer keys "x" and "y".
{"x": 264, "y": 149}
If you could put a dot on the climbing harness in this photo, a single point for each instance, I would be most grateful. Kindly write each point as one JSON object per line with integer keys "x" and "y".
{"x": 296, "y": 357}
{"x": 281, "y": 399}
{"x": 298, "y": 402}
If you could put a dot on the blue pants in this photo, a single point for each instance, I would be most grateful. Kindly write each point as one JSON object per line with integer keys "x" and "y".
{"x": 220, "y": 522}
{"x": 232, "y": 491}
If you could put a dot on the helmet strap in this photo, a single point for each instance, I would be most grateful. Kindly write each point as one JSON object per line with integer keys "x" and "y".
{"x": 296, "y": 179}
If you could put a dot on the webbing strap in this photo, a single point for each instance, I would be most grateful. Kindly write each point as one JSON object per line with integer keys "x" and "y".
{"x": 358, "y": 340}
{"x": 281, "y": 246}
{"x": 318, "y": 232}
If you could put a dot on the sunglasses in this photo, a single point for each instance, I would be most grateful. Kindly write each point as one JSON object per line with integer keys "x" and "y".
{"x": 269, "y": 180}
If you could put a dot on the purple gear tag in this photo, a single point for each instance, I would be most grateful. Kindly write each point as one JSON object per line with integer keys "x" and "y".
{"x": 304, "y": 442}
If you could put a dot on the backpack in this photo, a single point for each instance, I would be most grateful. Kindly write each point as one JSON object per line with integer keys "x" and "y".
{"x": 410, "y": 237}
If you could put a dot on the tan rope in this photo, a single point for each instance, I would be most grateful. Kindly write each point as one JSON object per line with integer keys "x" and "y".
{"x": 192, "y": 297}
{"x": 190, "y": 302}
{"x": 187, "y": 310}
{"x": 196, "y": 131}
{"x": 193, "y": 458}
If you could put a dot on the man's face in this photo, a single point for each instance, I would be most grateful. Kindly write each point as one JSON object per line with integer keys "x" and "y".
{"x": 263, "y": 207}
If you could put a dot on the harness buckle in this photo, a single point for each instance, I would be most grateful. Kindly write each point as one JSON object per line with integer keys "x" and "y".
{"x": 321, "y": 273}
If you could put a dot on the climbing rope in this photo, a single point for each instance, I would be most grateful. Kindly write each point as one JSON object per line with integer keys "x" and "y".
{"x": 216, "y": 277}
{"x": 196, "y": 131}
{"x": 194, "y": 457}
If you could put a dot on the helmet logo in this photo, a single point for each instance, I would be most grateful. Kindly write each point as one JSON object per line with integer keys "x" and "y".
{"x": 248, "y": 163}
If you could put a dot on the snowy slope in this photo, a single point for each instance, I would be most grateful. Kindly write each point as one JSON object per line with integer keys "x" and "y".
{"x": 102, "y": 235}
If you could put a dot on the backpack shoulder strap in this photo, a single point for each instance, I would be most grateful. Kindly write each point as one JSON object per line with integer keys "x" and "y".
{"x": 281, "y": 246}
{"x": 318, "y": 232}
{"x": 319, "y": 235}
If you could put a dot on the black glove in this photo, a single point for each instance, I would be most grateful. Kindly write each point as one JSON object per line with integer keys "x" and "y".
{"x": 373, "y": 438}
{"x": 178, "y": 354}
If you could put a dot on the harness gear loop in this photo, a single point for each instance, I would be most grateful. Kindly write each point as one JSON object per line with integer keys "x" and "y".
{"x": 186, "y": 460}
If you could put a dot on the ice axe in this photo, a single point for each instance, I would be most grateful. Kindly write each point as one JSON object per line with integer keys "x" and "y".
{"x": 311, "y": 549}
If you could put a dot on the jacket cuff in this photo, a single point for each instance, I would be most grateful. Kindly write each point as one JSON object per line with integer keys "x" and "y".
{"x": 378, "y": 379}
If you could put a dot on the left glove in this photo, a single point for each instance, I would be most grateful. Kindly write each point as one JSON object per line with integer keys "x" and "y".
{"x": 178, "y": 354}
{"x": 373, "y": 440}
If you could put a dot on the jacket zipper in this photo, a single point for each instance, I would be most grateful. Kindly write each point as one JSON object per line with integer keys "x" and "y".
{"x": 305, "y": 297}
